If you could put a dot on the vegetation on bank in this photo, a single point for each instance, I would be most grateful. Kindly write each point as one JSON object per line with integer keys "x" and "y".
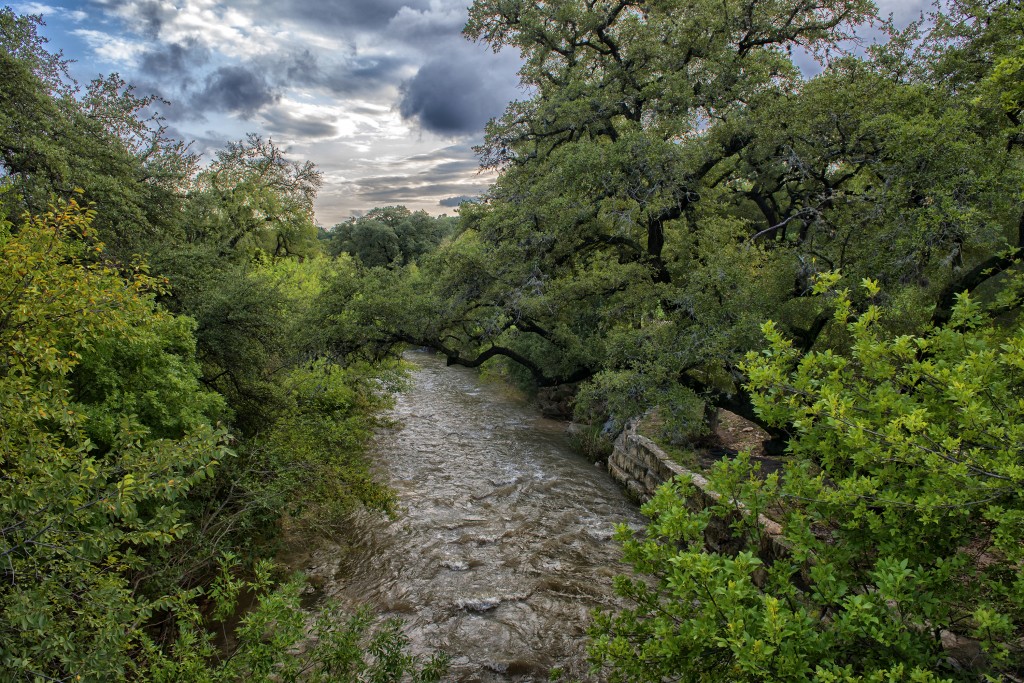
{"x": 168, "y": 398}
{"x": 672, "y": 183}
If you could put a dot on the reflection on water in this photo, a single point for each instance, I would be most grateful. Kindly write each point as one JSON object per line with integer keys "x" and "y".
{"x": 503, "y": 545}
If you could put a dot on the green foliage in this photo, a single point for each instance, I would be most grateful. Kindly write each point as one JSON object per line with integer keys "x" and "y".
{"x": 302, "y": 409}
{"x": 20, "y": 39}
{"x": 117, "y": 490}
{"x": 77, "y": 518}
{"x": 315, "y": 446}
{"x": 151, "y": 374}
{"x": 391, "y": 235}
{"x": 671, "y": 182}
{"x": 55, "y": 140}
{"x": 592, "y": 443}
{"x": 674, "y": 180}
{"x": 899, "y": 517}
{"x": 920, "y": 436}
{"x": 253, "y": 200}
{"x": 275, "y": 639}
{"x": 114, "y": 390}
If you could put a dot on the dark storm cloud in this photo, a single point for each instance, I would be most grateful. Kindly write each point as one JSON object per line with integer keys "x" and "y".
{"x": 226, "y": 66}
{"x": 344, "y": 14}
{"x": 286, "y": 123}
{"x": 205, "y": 144}
{"x": 173, "y": 60}
{"x": 355, "y": 74}
{"x": 235, "y": 89}
{"x": 200, "y": 144}
{"x": 455, "y": 95}
{"x": 302, "y": 68}
{"x": 363, "y": 74}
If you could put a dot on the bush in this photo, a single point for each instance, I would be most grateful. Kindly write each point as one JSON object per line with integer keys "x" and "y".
{"x": 901, "y": 508}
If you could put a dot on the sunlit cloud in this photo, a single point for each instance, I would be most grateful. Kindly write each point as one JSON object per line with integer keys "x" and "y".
{"x": 38, "y": 8}
{"x": 112, "y": 49}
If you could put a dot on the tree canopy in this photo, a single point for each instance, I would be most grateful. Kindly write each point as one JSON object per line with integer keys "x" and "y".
{"x": 674, "y": 180}
{"x": 390, "y": 235}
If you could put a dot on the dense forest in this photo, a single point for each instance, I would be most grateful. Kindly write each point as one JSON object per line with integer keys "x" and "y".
{"x": 683, "y": 222}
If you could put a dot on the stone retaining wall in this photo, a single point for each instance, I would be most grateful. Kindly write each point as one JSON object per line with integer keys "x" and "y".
{"x": 638, "y": 464}
{"x": 641, "y": 466}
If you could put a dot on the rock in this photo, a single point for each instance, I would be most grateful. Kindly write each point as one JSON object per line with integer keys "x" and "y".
{"x": 963, "y": 652}
{"x": 478, "y": 604}
{"x": 455, "y": 565}
{"x": 574, "y": 429}
{"x": 610, "y": 428}
{"x": 497, "y": 667}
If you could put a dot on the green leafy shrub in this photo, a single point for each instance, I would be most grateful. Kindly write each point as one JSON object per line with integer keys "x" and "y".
{"x": 111, "y": 496}
{"x": 900, "y": 511}
{"x": 276, "y": 640}
{"x": 591, "y": 442}
{"x": 78, "y": 520}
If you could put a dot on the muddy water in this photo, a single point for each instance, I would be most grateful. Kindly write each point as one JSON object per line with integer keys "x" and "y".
{"x": 503, "y": 546}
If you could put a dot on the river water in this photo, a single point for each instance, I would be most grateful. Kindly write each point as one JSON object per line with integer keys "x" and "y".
{"x": 503, "y": 545}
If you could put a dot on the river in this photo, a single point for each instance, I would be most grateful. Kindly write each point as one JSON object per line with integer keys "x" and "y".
{"x": 503, "y": 544}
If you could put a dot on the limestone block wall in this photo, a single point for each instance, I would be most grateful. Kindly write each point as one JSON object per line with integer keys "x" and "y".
{"x": 641, "y": 467}
{"x": 638, "y": 464}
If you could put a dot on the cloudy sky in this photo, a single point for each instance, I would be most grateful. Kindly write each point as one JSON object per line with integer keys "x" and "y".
{"x": 385, "y": 96}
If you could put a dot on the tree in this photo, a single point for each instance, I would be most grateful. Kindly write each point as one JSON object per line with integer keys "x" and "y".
{"x": 593, "y": 235}
{"x": 391, "y": 235}
{"x": 253, "y": 199}
{"x": 373, "y": 242}
{"x": 127, "y": 521}
{"x": 118, "y": 493}
{"x": 674, "y": 180}
{"x": 52, "y": 142}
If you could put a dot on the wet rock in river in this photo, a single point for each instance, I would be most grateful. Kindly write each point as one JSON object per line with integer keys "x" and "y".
{"x": 455, "y": 565}
{"x": 478, "y": 604}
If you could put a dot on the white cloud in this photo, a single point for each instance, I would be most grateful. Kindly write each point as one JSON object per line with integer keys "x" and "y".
{"x": 112, "y": 49}
{"x": 225, "y": 30}
{"x": 76, "y": 16}
{"x": 332, "y": 70}
{"x": 209, "y": 23}
{"x": 35, "y": 8}
{"x": 439, "y": 18}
